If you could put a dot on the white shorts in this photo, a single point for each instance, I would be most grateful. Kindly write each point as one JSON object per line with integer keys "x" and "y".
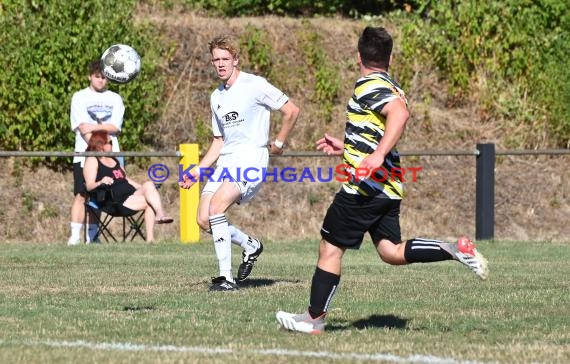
{"x": 233, "y": 167}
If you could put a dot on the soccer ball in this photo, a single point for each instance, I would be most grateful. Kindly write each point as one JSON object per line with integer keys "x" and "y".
{"x": 121, "y": 63}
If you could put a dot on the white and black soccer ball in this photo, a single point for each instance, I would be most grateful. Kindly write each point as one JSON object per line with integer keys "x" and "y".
{"x": 121, "y": 63}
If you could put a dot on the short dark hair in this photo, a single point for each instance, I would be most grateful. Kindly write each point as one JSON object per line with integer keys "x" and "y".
{"x": 375, "y": 47}
{"x": 95, "y": 67}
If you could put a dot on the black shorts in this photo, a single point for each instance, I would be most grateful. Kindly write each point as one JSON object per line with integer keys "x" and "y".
{"x": 122, "y": 210}
{"x": 78, "y": 180}
{"x": 349, "y": 217}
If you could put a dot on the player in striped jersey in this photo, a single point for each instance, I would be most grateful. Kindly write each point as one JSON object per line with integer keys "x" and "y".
{"x": 369, "y": 200}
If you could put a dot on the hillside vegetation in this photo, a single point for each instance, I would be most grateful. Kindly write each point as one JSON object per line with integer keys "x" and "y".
{"x": 509, "y": 59}
{"x": 459, "y": 96}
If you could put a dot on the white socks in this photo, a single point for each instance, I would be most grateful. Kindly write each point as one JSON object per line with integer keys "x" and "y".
{"x": 243, "y": 240}
{"x": 75, "y": 237}
{"x": 223, "y": 244}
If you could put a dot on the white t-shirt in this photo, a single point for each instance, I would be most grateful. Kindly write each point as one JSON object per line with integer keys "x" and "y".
{"x": 241, "y": 116}
{"x": 89, "y": 106}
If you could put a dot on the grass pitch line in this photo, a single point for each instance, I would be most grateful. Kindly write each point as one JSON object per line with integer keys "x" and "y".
{"x": 419, "y": 359}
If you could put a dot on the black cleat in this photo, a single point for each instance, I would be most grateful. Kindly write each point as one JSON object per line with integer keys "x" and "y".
{"x": 248, "y": 261}
{"x": 222, "y": 284}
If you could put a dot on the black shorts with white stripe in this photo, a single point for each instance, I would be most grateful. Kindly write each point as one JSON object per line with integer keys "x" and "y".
{"x": 350, "y": 216}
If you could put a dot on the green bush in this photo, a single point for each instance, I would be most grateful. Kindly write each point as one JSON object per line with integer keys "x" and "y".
{"x": 514, "y": 54}
{"x": 256, "y": 48}
{"x": 326, "y": 83}
{"x": 46, "y": 49}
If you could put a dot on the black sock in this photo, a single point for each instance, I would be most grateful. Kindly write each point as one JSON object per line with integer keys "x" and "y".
{"x": 323, "y": 287}
{"x": 424, "y": 251}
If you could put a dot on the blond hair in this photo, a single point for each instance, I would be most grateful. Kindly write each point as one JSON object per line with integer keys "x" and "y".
{"x": 225, "y": 42}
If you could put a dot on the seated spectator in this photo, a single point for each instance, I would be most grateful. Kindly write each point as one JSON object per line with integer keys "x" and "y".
{"x": 128, "y": 194}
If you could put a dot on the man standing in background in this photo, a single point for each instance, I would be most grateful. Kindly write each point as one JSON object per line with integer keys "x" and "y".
{"x": 92, "y": 108}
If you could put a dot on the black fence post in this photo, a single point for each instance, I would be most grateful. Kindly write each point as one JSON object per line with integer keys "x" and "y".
{"x": 485, "y": 193}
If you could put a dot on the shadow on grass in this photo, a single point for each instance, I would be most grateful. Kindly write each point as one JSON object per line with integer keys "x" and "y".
{"x": 262, "y": 282}
{"x": 248, "y": 283}
{"x": 374, "y": 321}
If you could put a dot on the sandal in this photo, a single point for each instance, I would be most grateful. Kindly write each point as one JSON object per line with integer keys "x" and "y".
{"x": 164, "y": 220}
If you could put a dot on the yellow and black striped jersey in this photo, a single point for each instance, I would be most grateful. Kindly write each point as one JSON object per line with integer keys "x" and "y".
{"x": 365, "y": 127}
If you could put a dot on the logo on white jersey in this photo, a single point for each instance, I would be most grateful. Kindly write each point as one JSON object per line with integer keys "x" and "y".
{"x": 231, "y": 116}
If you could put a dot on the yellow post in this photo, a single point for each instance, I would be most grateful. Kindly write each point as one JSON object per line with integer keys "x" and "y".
{"x": 189, "y": 230}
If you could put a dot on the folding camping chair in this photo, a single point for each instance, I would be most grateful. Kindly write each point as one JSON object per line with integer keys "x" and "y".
{"x": 102, "y": 205}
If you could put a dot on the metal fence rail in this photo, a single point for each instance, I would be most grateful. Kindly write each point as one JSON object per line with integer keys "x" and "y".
{"x": 4, "y": 153}
{"x": 178, "y": 154}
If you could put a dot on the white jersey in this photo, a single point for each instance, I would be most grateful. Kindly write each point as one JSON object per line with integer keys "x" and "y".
{"x": 241, "y": 114}
{"x": 90, "y": 106}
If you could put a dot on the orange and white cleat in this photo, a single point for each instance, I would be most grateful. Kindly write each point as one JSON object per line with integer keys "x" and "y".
{"x": 466, "y": 253}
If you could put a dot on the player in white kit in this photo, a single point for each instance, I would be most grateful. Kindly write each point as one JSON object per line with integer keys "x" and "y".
{"x": 241, "y": 107}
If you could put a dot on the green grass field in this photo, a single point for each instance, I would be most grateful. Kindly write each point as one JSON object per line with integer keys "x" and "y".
{"x": 139, "y": 303}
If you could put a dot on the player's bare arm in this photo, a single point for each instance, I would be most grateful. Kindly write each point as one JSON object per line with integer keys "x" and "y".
{"x": 330, "y": 145}
{"x": 396, "y": 118}
{"x": 290, "y": 113}
{"x": 207, "y": 161}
